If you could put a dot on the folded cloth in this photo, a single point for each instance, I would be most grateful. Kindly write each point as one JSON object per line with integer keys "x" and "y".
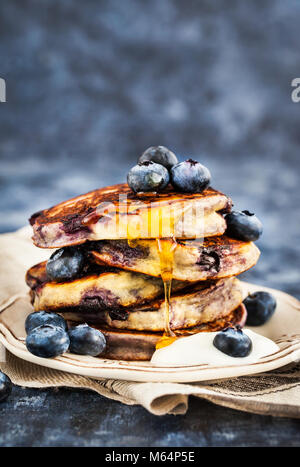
{"x": 274, "y": 393}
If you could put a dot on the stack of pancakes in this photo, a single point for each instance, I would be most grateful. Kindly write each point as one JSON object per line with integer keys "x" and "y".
{"x": 125, "y": 238}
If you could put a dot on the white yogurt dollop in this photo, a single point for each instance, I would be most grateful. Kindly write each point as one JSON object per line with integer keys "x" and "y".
{"x": 199, "y": 349}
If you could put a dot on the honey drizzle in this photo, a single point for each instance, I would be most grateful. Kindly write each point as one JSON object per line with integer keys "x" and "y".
{"x": 166, "y": 248}
{"x": 132, "y": 237}
{"x": 132, "y": 242}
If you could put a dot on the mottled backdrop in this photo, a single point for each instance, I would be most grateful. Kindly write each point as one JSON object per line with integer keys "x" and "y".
{"x": 91, "y": 84}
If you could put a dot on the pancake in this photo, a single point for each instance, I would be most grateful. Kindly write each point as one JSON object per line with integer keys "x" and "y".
{"x": 212, "y": 258}
{"x": 202, "y": 303}
{"x": 140, "y": 346}
{"x": 115, "y": 212}
{"x": 108, "y": 288}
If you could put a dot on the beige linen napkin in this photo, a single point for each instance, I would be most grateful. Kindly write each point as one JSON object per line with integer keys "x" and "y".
{"x": 274, "y": 393}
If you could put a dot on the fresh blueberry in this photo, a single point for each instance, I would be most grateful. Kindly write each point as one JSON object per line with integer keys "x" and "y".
{"x": 47, "y": 341}
{"x": 39, "y": 318}
{"x": 65, "y": 263}
{"x": 160, "y": 155}
{"x": 190, "y": 176}
{"x": 5, "y": 386}
{"x": 234, "y": 342}
{"x": 243, "y": 225}
{"x": 148, "y": 176}
{"x": 85, "y": 340}
{"x": 260, "y": 307}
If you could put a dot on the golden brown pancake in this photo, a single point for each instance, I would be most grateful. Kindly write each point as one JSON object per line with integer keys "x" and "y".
{"x": 108, "y": 288}
{"x": 140, "y": 346}
{"x": 212, "y": 258}
{"x": 115, "y": 212}
{"x": 202, "y": 303}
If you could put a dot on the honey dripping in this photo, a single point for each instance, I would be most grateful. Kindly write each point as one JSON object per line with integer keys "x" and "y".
{"x": 166, "y": 248}
{"x": 132, "y": 237}
{"x": 136, "y": 231}
{"x": 132, "y": 242}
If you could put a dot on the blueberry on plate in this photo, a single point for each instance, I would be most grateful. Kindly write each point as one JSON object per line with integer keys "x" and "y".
{"x": 148, "y": 176}
{"x": 160, "y": 155}
{"x": 5, "y": 386}
{"x": 233, "y": 342}
{"x": 39, "y": 318}
{"x": 47, "y": 341}
{"x": 260, "y": 307}
{"x": 85, "y": 340}
{"x": 65, "y": 263}
{"x": 243, "y": 225}
{"x": 190, "y": 176}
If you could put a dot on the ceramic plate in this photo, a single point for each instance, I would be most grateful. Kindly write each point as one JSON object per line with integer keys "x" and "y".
{"x": 283, "y": 328}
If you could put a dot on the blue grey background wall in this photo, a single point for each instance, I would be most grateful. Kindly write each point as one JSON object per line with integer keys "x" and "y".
{"x": 91, "y": 84}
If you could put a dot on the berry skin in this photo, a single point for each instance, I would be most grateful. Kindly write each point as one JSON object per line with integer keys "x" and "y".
{"x": 243, "y": 225}
{"x": 260, "y": 307}
{"x": 65, "y": 264}
{"x": 160, "y": 155}
{"x": 85, "y": 340}
{"x": 5, "y": 386}
{"x": 233, "y": 342}
{"x": 148, "y": 176}
{"x": 47, "y": 341}
{"x": 190, "y": 176}
{"x": 39, "y": 318}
